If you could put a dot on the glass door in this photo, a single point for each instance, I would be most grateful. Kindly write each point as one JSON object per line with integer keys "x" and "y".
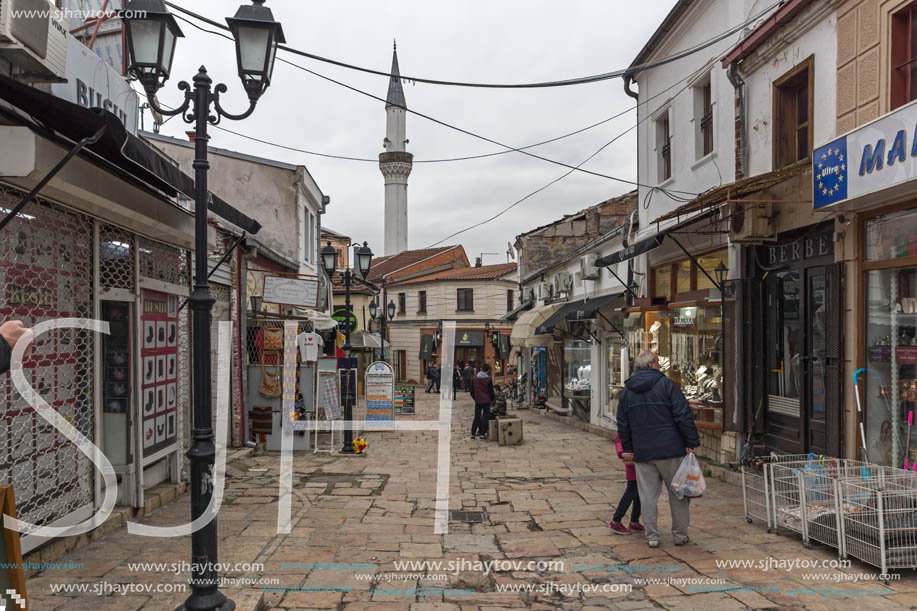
{"x": 784, "y": 337}
{"x": 816, "y": 360}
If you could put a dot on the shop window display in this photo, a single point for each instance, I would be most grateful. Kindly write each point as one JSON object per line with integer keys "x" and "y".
{"x": 619, "y": 362}
{"x": 578, "y": 368}
{"x": 891, "y": 377}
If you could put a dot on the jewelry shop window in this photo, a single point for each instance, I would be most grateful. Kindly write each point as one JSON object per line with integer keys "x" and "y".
{"x": 578, "y": 368}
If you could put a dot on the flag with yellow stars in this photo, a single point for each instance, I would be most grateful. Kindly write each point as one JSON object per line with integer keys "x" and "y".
{"x": 829, "y": 173}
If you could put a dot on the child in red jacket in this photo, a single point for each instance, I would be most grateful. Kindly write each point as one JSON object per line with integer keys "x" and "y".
{"x": 630, "y": 496}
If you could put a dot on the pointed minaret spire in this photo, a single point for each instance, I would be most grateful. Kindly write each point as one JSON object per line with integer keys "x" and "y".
{"x": 395, "y": 92}
{"x": 395, "y": 164}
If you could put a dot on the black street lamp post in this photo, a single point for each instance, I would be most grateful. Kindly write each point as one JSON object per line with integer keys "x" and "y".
{"x": 379, "y": 315}
{"x": 363, "y": 256}
{"x": 721, "y": 272}
{"x": 151, "y": 33}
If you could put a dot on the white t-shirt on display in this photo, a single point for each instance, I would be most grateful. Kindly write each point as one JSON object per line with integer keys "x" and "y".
{"x": 309, "y": 343}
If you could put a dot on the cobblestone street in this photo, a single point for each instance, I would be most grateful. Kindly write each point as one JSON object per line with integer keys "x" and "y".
{"x": 547, "y": 499}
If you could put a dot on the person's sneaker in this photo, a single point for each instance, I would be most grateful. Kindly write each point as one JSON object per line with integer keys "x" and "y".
{"x": 653, "y": 543}
{"x": 684, "y": 541}
{"x": 618, "y": 528}
{"x": 635, "y": 527}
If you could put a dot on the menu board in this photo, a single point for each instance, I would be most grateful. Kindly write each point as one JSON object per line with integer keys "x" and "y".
{"x": 380, "y": 380}
{"x": 159, "y": 374}
{"x": 404, "y": 399}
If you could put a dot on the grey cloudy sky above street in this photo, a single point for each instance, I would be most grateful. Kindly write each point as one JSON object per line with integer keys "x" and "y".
{"x": 535, "y": 40}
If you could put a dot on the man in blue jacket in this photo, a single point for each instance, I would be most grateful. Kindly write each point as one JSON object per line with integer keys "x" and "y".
{"x": 657, "y": 430}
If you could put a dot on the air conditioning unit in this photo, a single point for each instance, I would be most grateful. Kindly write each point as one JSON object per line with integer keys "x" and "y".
{"x": 752, "y": 222}
{"x": 544, "y": 290}
{"x": 563, "y": 282}
{"x": 587, "y": 267}
{"x": 33, "y": 37}
{"x": 528, "y": 295}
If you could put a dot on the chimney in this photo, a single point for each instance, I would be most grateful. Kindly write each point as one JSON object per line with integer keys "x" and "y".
{"x": 477, "y": 262}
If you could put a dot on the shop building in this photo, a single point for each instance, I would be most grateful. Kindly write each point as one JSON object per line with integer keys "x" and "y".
{"x": 107, "y": 238}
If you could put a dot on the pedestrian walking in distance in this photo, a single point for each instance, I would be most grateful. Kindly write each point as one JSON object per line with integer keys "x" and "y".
{"x": 467, "y": 375}
{"x": 482, "y": 391}
{"x": 456, "y": 380}
{"x": 630, "y": 497}
{"x": 657, "y": 430}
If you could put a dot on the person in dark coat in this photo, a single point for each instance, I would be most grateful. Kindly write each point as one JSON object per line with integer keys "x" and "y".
{"x": 482, "y": 391}
{"x": 456, "y": 380}
{"x": 467, "y": 375}
{"x": 10, "y": 333}
{"x": 657, "y": 430}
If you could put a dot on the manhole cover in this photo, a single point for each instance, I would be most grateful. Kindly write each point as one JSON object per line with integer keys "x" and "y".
{"x": 471, "y": 517}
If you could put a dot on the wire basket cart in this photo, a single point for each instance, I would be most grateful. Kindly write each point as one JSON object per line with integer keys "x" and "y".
{"x": 757, "y": 493}
{"x": 880, "y": 516}
{"x": 805, "y": 499}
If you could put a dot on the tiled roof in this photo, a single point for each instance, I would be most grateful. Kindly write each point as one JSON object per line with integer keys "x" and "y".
{"x": 356, "y": 285}
{"x": 382, "y": 266}
{"x": 485, "y": 272}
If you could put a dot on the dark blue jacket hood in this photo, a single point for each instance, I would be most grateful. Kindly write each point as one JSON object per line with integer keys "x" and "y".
{"x": 643, "y": 379}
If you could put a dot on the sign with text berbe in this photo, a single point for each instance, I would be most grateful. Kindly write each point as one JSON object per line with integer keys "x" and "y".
{"x": 868, "y": 159}
{"x": 380, "y": 396}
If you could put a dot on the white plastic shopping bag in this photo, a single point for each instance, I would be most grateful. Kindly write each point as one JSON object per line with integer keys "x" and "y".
{"x": 689, "y": 479}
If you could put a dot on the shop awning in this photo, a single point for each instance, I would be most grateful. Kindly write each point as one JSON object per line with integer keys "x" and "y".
{"x": 524, "y": 331}
{"x": 118, "y": 147}
{"x": 514, "y": 313}
{"x": 637, "y": 248}
{"x": 575, "y": 310}
{"x": 361, "y": 340}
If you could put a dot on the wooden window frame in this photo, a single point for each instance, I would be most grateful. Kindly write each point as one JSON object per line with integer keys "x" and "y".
{"x": 900, "y": 35}
{"x": 421, "y": 302}
{"x": 665, "y": 148}
{"x": 510, "y": 300}
{"x": 402, "y": 303}
{"x": 673, "y": 273}
{"x": 458, "y": 298}
{"x": 706, "y": 119}
{"x": 781, "y": 83}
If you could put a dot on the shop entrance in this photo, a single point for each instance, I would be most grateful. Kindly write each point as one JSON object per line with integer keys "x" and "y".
{"x": 802, "y": 336}
{"x": 467, "y": 356}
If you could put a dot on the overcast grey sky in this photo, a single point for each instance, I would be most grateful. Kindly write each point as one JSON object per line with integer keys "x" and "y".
{"x": 468, "y": 40}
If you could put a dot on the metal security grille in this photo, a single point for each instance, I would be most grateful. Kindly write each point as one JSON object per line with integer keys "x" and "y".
{"x": 834, "y": 387}
{"x": 116, "y": 258}
{"x": 46, "y": 256}
{"x": 162, "y": 262}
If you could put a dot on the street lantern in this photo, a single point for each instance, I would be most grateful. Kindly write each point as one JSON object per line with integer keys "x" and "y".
{"x": 364, "y": 257}
{"x": 151, "y": 32}
{"x": 257, "y": 36}
{"x": 330, "y": 259}
{"x": 257, "y": 302}
{"x": 391, "y": 310}
{"x": 721, "y": 271}
{"x": 373, "y": 309}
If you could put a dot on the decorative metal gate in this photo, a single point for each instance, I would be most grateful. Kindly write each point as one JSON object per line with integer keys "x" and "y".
{"x": 46, "y": 258}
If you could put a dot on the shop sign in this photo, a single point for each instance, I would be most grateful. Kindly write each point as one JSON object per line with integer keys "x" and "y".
{"x": 873, "y": 157}
{"x": 469, "y": 338}
{"x": 807, "y": 247}
{"x": 93, "y": 83}
{"x": 380, "y": 396}
{"x": 345, "y": 318}
{"x": 30, "y": 296}
{"x": 291, "y": 291}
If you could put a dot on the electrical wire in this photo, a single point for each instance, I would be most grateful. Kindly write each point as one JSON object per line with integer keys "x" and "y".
{"x": 668, "y": 192}
{"x": 630, "y": 71}
{"x": 561, "y": 177}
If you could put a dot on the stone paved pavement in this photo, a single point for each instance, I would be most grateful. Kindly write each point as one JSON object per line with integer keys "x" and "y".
{"x": 547, "y": 499}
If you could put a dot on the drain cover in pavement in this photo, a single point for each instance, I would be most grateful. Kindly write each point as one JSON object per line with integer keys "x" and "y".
{"x": 471, "y": 517}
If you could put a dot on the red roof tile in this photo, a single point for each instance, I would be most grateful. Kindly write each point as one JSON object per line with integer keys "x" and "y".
{"x": 384, "y": 266}
{"x": 485, "y": 272}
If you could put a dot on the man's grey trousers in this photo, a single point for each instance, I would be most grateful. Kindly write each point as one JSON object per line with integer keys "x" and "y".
{"x": 650, "y": 477}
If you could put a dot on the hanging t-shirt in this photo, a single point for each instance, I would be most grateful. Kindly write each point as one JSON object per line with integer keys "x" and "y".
{"x": 309, "y": 343}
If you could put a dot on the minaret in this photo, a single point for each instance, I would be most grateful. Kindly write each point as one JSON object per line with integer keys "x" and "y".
{"x": 395, "y": 164}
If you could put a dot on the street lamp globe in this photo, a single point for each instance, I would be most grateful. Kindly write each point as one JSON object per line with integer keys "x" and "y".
{"x": 257, "y": 36}
{"x": 151, "y": 32}
{"x": 391, "y": 310}
{"x": 721, "y": 271}
{"x": 364, "y": 257}
{"x": 330, "y": 258}
{"x": 373, "y": 309}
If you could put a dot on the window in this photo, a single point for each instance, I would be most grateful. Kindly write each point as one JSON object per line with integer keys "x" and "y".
{"x": 308, "y": 239}
{"x": 509, "y": 300}
{"x": 703, "y": 118}
{"x": 683, "y": 276}
{"x": 904, "y": 56}
{"x": 402, "y": 303}
{"x": 342, "y": 264}
{"x": 793, "y": 115}
{"x": 664, "y": 147}
{"x": 465, "y": 300}
{"x": 663, "y": 282}
{"x": 422, "y": 302}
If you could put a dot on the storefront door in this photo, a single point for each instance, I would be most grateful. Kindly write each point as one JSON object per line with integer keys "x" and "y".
{"x": 802, "y": 303}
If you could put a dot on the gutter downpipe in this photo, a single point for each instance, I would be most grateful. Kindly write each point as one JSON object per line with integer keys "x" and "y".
{"x": 631, "y": 298}
{"x": 732, "y": 73}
